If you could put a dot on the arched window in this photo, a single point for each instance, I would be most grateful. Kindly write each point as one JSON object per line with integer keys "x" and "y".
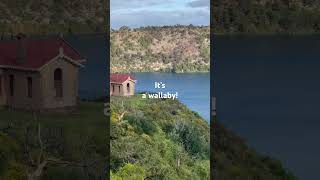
{"x": 128, "y": 87}
{"x": 29, "y": 88}
{"x": 58, "y": 83}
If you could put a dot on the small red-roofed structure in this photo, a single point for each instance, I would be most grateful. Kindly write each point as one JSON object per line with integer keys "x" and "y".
{"x": 122, "y": 84}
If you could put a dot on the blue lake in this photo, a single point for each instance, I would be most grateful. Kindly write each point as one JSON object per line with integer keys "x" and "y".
{"x": 193, "y": 88}
{"x": 268, "y": 92}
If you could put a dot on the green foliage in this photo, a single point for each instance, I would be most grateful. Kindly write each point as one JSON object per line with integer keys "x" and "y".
{"x": 129, "y": 172}
{"x": 75, "y": 138}
{"x": 6, "y": 150}
{"x": 9, "y": 168}
{"x": 143, "y": 125}
{"x": 64, "y": 174}
{"x": 147, "y": 136}
{"x": 124, "y": 28}
{"x": 178, "y": 145}
{"x": 190, "y": 136}
{"x": 194, "y": 67}
{"x": 52, "y": 17}
{"x": 255, "y": 16}
{"x": 205, "y": 54}
{"x": 14, "y": 171}
{"x": 145, "y": 41}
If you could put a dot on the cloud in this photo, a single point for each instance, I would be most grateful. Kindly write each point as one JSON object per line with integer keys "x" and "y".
{"x": 150, "y": 18}
{"x": 125, "y": 4}
{"x": 138, "y": 13}
{"x": 199, "y": 3}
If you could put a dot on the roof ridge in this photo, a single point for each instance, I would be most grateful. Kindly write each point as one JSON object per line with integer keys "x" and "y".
{"x": 68, "y": 44}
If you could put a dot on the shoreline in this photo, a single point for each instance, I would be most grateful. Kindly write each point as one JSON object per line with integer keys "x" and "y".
{"x": 189, "y": 72}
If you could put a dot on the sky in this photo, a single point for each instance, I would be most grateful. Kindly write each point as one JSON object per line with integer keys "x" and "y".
{"x": 140, "y": 13}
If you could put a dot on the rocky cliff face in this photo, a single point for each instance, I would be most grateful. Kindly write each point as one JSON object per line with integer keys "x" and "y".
{"x": 174, "y": 48}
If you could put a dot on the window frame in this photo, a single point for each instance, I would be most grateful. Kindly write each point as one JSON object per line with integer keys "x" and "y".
{"x": 58, "y": 82}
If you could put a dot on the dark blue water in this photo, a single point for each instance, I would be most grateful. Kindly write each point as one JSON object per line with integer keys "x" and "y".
{"x": 193, "y": 88}
{"x": 268, "y": 91}
{"x": 93, "y": 77}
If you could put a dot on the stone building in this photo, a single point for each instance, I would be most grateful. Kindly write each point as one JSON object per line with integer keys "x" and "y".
{"x": 38, "y": 73}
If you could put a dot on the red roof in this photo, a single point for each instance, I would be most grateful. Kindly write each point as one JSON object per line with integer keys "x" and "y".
{"x": 120, "y": 78}
{"x": 38, "y": 52}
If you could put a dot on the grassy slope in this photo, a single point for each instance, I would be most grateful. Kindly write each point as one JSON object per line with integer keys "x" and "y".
{"x": 172, "y": 48}
{"x": 84, "y": 128}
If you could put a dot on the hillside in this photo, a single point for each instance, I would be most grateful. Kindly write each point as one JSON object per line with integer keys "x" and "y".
{"x": 164, "y": 49}
{"x": 256, "y": 16}
{"x": 157, "y": 139}
{"x": 163, "y": 139}
{"x": 64, "y": 146}
{"x": 52, "y": 16}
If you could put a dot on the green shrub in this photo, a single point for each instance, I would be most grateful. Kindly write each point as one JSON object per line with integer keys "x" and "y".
{"x": 129, "y": 172}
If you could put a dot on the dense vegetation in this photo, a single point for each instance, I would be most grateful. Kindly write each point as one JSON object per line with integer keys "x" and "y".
{"x": 257, "y": 16}
{"x": 52, "y": 16}
{"x": 60, "y": 146}
{"x": 165, "y": 49}
{"x": 157, "y": 139}
{"x": 233, "y": 159}
{"x": 163, "y": 139}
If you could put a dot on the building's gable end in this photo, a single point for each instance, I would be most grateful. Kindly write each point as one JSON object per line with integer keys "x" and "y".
{"x": 69, "y": 83}
{"x": 59, "y": 58}
{"x": 128, "y": 81}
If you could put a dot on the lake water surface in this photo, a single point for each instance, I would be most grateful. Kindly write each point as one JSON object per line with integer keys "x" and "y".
{"x": 268, "y": 92}
{"x": 193, "y": 88}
